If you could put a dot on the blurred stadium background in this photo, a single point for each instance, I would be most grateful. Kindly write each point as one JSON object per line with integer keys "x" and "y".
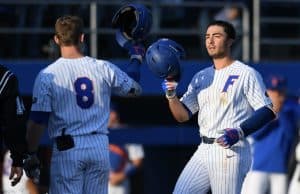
{"x": 268, "y": 38}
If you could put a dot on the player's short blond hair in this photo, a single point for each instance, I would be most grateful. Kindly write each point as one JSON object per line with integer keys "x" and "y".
{"x": 68, "y": 30}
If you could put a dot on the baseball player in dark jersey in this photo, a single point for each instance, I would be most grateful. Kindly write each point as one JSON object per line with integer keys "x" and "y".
{"x": 12, "y": 121}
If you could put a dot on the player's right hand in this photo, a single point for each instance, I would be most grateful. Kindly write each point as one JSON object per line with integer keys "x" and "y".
{"x": 32, "y": 167}
{"x": 135, "y": 48}
{"x": 169, "y": 86}
{"x": 136, "y": 51}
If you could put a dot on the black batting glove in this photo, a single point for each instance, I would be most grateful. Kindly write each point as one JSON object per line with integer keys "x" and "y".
{"x": 32, "y": 167}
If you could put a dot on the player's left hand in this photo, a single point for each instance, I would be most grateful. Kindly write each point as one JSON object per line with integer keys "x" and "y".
{"x": 32, "y": 167}
{"x": 230, "y": 137}
{"x": 16, "y": 174}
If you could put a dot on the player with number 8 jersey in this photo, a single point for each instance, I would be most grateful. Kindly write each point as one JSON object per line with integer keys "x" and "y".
{"x": 71, "y": 97}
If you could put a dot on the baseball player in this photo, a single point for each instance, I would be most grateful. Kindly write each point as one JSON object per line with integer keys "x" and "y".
{"x": 231, "y": 101}
{"x": 125, "y": 159}
{"x": 12, "y": 122}
{"x": 71, "y": 98}
{"x": 269, "y": 170}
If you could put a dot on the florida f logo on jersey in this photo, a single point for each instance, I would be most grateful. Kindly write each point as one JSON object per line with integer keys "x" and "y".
{"x": 230, "y": 81}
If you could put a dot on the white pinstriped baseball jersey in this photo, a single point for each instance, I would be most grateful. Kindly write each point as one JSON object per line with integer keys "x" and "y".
{"x": 225, "y": 97}
{"x": 77, "y": 93}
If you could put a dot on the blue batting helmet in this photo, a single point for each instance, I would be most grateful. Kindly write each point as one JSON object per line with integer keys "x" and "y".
{"x": 163, "y": 58}
{"x": 133, "y": 20}
{"x": 276, "y": 82}
{"x": 118, "y": 157}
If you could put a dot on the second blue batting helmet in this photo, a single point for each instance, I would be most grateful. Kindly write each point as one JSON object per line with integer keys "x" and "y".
{"x": 276, "y": 82}
{"x": 133, "y": 20}
{"x": 118, "y": 158}
{"x": 163, "y": 58}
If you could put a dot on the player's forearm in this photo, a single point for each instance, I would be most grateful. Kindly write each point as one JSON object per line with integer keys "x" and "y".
{"x": 179, "y": 112}
{"x": 15, "y": 141}
{"x": 34, "y": 134}
{"x": 133, "y": 69}
{"x": 14, "y": 129}
{"x": 259, "y": 119}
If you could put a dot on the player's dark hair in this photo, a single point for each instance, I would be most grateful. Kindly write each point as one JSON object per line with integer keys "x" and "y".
{"x": 68, "y": 30}
{"x": 228, "y": 27}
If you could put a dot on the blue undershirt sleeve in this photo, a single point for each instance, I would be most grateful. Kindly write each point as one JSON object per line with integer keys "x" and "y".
{"x": 259, "y": 118}
{"x": 133, "y": 69}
